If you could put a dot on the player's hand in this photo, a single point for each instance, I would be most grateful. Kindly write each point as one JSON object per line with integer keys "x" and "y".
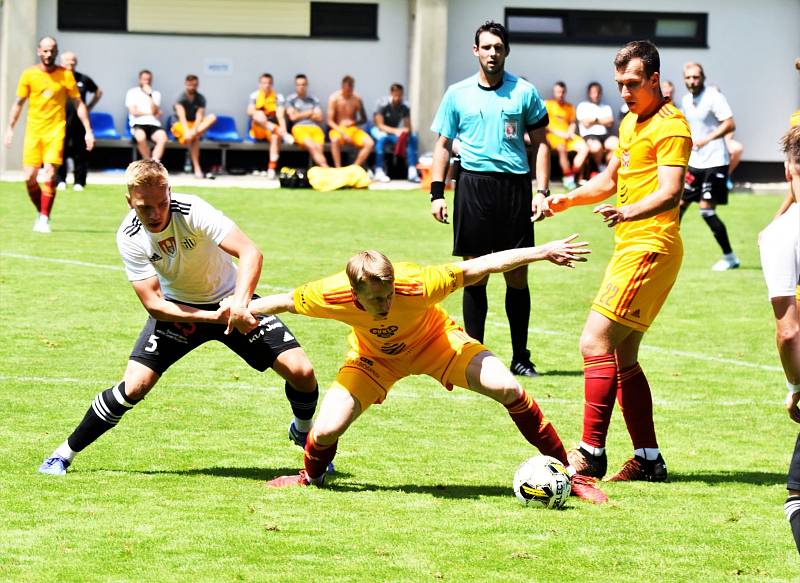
{"x": 439, "y": 210}
{"x": 89, "y": 141}
{"x": 8, "y": 138}
{"x": 566, "y": 252}
{"x": 697, "y": 144}
{"x": 558, "y": 203}
{"x": 539, "y": 208}
{"x": 611, "y": 214}
{"x": 792, "y": 402}
{"x": 242, "y": 320}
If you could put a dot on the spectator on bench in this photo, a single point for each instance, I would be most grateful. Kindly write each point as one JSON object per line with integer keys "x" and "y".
{"x": 305, "y": 113}
{"x": 392, "y": 120}
{"x": 143, "y": 105}
{"x": 268, "y": 121}
{"x": 562, "y": 136}
{"x": 75, "y": 142}
{"x": 345, "y": 114}
{"x": 192, "y": 123}
{"x": 595, "y": 120}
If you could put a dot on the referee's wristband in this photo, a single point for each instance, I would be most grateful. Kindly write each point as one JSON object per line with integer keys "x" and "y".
{"x": 544, "y": 191}
{"x": 437, "y": 190}
{"x": 792, "y": 388}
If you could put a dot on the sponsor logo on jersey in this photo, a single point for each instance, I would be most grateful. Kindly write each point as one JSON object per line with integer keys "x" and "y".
{"x": 168, "y": 246}
{"x": 384, "y": 332}
{"x": 155, "y": 257}
{"x": 188, "y": 243}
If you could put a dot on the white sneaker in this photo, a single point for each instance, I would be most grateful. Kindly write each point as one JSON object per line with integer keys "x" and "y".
{"x": 380, "y": 175}
{"x": 42, "y": 225}
{"x": 413, "y": 175}
{"x": 288, "y": 139}
{"x": 61, "y": 186}
{"x": 728, "y": 261}
{"x": 569, "y": 183}
{"x": 77, "y": 188}
{"x": 271, "y": 174}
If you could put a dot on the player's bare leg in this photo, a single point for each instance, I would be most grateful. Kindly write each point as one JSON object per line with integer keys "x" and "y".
{"x": 316, "y": 152}
{"x": 336, "y": 151}
{"x": 160, "y": 141}
{"x": 141, "y": 143}
{"x": 194, "y": 154}
{"x": 365, "y": 151}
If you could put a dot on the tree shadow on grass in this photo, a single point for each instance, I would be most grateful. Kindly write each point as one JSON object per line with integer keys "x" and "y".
{"x": 734, "y": 477}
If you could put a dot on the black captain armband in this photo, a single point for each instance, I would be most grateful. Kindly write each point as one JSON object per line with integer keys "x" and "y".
{"x": 437, "y": 190}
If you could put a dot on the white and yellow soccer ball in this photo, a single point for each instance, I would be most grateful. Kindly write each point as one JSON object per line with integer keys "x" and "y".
{"x": 542, "y": 480}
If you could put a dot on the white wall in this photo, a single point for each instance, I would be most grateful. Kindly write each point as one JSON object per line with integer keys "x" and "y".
{"x": 114, "y": 59}
{"x": 752, "y": 47}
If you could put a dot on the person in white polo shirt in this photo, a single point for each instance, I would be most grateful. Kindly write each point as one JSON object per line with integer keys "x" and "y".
{"x": 595, "y": 120}
{"x": 144, "y": 109}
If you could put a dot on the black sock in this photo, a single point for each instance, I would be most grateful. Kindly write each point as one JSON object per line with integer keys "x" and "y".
{"x": 518, "y": 311}
{"x": 792, "y": 508}
{"x": 718, "y": 228}
{"x": 683, "y": 208}
{"x": 303, "y": 404}
{"x": 104, "y": 413}
{"x": 475, "y": 306}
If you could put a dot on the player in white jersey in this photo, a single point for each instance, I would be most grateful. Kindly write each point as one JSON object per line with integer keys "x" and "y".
{"x": 780, "y": 260}
{"x": 177, "y": 250}
{"x": 710, "y": 120}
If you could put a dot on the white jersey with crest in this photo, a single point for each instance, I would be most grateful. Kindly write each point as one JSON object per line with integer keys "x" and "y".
{"x": 185, "y": 256}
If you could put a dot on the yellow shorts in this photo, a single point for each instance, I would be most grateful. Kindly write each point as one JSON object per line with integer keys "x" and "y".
{"x": 635, "y": 286}
{"x": 39, "y": 149}
{"x": 446, "y": 358}
{"x": 304, "y": 132}
{"x": 260, "y": 133}
{"x": 356, "y": 135}
{"x": 572, "y": 144}
{"x": 177, "y": 130}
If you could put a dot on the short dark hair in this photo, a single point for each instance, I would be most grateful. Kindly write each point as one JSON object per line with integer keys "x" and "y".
{"x": 143, "y": 71}
{"x": 300, "y": 76}
{"x": 396, "y": 87}
{"x": 639, "y": 49}
{"x": 192, "y": 77}
{"x": 594, "y": 84}
{"x": 560, "y": 84}
{"x": 348, "y": 80}
{"x": 265, "y": 75}
{"x": 496, "y": 29}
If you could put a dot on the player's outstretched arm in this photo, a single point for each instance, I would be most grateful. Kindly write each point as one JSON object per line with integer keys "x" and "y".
{"x": 149, "y": 293}
{"x": 274, "y": 304}
{"x": 666, "y": 197}
{"x": 597, "y": 189}
{"x": 562, "y": 252}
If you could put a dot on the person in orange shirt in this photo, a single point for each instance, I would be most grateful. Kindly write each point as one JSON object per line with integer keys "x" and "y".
{"x": 646, "y": 172}
{"x": 398, "y": 328}
{"x": 562, "y": 135}
{"x": 48, "y": 87}
{"x": 266, "y": 109}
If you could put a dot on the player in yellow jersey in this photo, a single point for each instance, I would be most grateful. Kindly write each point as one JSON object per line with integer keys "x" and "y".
{"x": 646, "y": 173}
{"x": 399, "y": 329}
{"x": 268, "y": 123}
{"x": 48, "y": 87}
{"x": 562, "y": 135}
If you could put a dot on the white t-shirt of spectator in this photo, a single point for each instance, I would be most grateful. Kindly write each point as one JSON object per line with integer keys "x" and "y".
{"x": 185, "y": 256}
{"x": 138, "y": 98}
{"x": 704, "y": 113}
{"x": 589, "y": 110}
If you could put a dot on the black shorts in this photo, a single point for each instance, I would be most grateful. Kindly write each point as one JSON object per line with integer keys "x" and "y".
{"x": 148, "y": 130}
{"x": 706, "y": 184}
{"x": 492, "y": 213}
{"x": 794, "y": 468}
{"x": 161, "y": 344}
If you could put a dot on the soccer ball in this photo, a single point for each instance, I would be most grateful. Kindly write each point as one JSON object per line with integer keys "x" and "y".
{"x": 542, "y": 480}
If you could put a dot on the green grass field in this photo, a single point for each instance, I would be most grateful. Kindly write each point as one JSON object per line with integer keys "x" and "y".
{"x": 423, "y": 484}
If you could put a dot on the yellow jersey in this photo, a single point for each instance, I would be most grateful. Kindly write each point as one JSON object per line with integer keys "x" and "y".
{"x": 47, "y": 92}
{"x": 663, "y": 139}
{"x": 560, "y": 115}
{"x": 795, "y": 119}
{"x": 414, "y": 319}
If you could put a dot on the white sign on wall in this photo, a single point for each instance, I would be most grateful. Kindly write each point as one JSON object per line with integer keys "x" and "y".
{"x": 218, "y": 67}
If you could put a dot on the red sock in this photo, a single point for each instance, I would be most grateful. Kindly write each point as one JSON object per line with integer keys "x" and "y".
{"x": 636, "y": 402}
{"x": 536, "y": 428}
{"x": 599, "y": 389}
{"x": 317, "y": 457}
{"x": 35, "y": 194}
{"x": 273, "y": 164}
{"x": 48, "y": 196}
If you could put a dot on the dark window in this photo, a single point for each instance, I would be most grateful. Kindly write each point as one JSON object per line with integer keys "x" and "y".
{"x": 603, "y": 27}
{"x": 100, "y": 15}
{"x": 344, "y": 20}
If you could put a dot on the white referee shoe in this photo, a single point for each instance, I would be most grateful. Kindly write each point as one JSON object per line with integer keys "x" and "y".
{"x": 728, "y": 261}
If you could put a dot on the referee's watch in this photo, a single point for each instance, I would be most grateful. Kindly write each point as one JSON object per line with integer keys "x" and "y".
{"x": 544, "y": 191}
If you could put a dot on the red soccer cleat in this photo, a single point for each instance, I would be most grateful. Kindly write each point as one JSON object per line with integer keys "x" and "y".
{"x": 299, "y": 479}
{"x": 584, "y": 487}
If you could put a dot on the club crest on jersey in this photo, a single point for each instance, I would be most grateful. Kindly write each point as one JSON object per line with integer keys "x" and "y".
{"x": 626, "y": 158}
{"x": 168, "y": 246}
{"x": 382, "y": 332}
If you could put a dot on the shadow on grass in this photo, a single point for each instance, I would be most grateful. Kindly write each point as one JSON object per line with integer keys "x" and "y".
{"x": 714, "y": 478}
{"x": 562, "y": 373}
{"x": 253, "y": 473}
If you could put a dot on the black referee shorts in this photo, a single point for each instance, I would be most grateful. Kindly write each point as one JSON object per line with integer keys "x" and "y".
{"x": 492, "y": 212}
{"x": 794, "y": 468}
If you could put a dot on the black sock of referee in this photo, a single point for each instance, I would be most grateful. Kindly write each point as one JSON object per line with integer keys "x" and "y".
{"x": 475, "y": 306}
{"x": 518, "y": 311}
{"x": 718, "y": 228}
{"x": 105, "y": 412}
{"x": 792, "y": 508}
{"x": 303, "y": 406}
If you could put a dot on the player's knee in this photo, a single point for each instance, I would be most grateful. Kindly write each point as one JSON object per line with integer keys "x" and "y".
{"x": 590, "y": 345}
{"x": 787, "y": 335}
{"x": 327, "y": 432}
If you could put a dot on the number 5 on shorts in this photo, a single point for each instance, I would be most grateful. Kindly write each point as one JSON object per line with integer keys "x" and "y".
{"x": 152, "y": 343}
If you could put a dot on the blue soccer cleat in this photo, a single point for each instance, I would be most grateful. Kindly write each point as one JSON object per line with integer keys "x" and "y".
{"x": 54, "y": 466}
{"x": 299, "y": 438}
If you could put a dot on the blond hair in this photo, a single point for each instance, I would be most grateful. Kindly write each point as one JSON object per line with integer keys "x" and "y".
{"x": 369, "y": 266}
{"x": 790, "y": 144}
{"x": 146, "y": 173}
